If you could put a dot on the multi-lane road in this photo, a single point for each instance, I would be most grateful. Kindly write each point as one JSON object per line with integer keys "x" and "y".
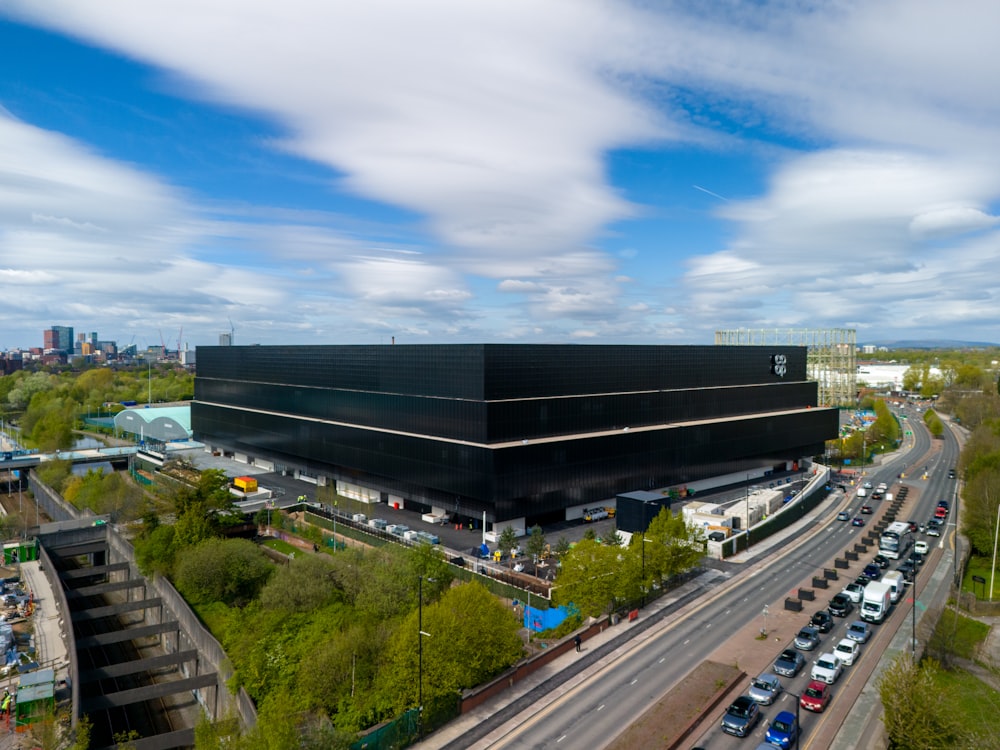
{"x": 594, "y": 711}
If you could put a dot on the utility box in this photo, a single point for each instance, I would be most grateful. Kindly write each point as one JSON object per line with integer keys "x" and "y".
{"x": 246, "y": 484}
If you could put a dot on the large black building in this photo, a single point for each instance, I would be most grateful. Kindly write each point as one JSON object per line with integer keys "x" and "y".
{"x": 516, "y": 430}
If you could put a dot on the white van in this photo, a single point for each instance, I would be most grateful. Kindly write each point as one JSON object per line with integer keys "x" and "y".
{"x": 862, "y": 492}
{"x": 896, "y": 584}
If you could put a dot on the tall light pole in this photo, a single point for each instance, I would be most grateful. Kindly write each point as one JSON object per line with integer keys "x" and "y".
{"x": 748, "y": 510}
{"x": 996, "y": 536}
{"x": 420, "y": 656}
{"x": 644, "y": 540}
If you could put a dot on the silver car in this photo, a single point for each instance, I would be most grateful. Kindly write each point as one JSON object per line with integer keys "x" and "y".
{"x": 765, "y": 688}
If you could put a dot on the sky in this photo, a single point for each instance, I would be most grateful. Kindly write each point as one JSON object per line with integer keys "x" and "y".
{"x": 567, "y": 171}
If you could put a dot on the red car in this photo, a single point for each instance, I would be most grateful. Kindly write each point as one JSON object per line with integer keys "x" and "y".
{"x": 941, "y": 512}
{"x": 815, "y": 696}
{"x": 866, "y": 509}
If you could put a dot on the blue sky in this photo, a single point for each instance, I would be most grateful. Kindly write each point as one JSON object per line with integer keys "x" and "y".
{"x": 503, "y": 170}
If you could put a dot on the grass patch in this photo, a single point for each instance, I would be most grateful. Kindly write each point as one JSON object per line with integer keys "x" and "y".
{"x": 982, "y": 567}
{"x": 977, "y": 703}
{"x": 280, "y": 546}
{"x": 959, "y": 635}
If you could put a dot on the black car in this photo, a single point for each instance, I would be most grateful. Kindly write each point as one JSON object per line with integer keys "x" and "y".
{"x": 741, "y": 716}
{"x": 881, "y": 560}
{"x": 840, "y": 605}
{"x": 822, "y": 621}
{"x": 916, "y": 558}
{"x": 789, "y": 662}
{"x": 909, "y": 571}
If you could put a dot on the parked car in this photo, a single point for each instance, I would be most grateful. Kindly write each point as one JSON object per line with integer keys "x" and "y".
{"x": 815, "y": 697}
{"x": 741, "y": 716}
{"x": 789, "y": 663}
{"x": 859, "y": 631}
{"x": 807, "y": 639}
{"x": 783, "y": 731}
{"x": 853, "y": 591}
{"x": 921, "y": 547}
{"x": 840, "y": 605}
{"x": 765, "y": 688}
{"x": 822, "y": 621}
{"x": 847, "y": 650}
{"x": 826, "y": 668}
{"x": 858, "y": 521}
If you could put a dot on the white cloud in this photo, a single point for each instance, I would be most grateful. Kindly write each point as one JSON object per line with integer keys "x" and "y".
{"x": 492, "y": 121}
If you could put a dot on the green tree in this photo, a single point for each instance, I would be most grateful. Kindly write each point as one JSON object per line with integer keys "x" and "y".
{"x": 506, "y": 541}
{"x": 563, "y": 546}
{"x": 535, "y": 545}
{"x": 591, "y": 579}
{"x": 156, "y": 551}
{"x": 231, "y": 571}
{"x": 673, "y": 546}
{"x": 305, "y": 584}
{"x": 472, "y": 638}
{"x": 918, "y": 714}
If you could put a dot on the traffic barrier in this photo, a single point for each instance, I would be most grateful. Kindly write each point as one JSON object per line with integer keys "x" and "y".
{"x": 820, "y": 583}
{"x": 840, "y": 562}
{"x": 862, "y": 548}
{"x": 851, "y": 555}
{"x": 830, "y": 574}
{"x": 792, "y": 604}
{"x": 807, "y": 595}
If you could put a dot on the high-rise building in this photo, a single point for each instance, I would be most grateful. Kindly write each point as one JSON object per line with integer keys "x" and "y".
{"x": 59, "y": 338}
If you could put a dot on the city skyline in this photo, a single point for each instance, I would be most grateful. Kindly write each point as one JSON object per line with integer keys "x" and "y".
{"x": 583, "y": 171}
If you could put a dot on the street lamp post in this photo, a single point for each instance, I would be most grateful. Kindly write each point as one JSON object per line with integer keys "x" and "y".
{"x": 643, "y": 582}
{"x": 996, "y": 536}
{"x": 748, "y": 510}
{"x": 420, "y": 655}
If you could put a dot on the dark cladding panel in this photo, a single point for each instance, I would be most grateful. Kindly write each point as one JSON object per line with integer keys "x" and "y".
{"x": 527, "y": 371}
{"x": 636, "y": 510}
{"x": 438, "y": 370}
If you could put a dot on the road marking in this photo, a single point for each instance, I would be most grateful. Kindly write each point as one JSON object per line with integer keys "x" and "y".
{"x": 663, "y": 658}
{"x": 634, "y": 681}
{"x": 600, "y": 707}
{"x": 561, "y": 738}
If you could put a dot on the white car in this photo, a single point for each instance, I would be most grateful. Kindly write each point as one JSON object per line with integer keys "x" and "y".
{"x": 827, "y": 668}
{"x": 847, "y": 651}
{"x": 921, "y": 547}
{"x": 853, "y": 591}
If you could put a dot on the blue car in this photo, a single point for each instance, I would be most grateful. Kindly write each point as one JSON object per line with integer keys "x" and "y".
{"x": 784, "y": 730}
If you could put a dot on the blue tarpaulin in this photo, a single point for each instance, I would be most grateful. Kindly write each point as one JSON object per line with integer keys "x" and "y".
{"x": 544, "y": 619}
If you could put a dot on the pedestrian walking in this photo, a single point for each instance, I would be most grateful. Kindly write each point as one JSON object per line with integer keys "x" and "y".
{"x": 578, "y": 640}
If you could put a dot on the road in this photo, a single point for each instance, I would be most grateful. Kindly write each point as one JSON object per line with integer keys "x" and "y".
{"x": 594, "y": 711}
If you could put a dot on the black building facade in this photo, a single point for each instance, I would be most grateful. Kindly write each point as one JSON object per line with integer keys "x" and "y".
{"x": 515, "y": 430}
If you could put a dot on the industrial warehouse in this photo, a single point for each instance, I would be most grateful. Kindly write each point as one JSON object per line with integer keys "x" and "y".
{"x": 516, "y": 433}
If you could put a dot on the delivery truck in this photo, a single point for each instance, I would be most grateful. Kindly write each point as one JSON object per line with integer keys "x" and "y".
{"x": 875, "y": 601}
